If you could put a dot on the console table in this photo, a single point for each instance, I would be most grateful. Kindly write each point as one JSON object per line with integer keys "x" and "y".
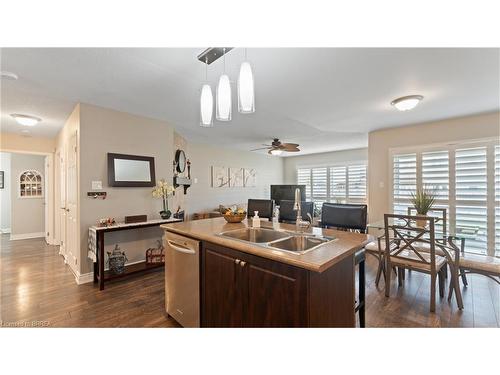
{"x": 100, "y": 276}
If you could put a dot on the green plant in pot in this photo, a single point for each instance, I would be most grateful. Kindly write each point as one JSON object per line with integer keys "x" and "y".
{"x": 423, "y": 200}
{"x": 163, "y": 190}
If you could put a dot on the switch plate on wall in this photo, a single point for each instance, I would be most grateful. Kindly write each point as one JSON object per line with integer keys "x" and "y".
{"x": 96, "y": 185}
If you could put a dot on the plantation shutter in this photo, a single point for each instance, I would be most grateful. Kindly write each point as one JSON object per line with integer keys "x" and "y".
{"x": 338, "y": 185}
{"x": 471, "y": 196}
{"x": 357, "y": 183}
{"x": 404, "y": 181}
{"x": 304, "y": 178}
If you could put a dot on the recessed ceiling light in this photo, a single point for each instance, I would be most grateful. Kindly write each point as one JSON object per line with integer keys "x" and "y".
{"x": 25, "y": 119}
{"x": 406, "y": 103}
{"x": 8, "y": 75}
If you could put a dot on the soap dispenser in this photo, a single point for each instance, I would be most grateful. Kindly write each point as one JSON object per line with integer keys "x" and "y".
{"x": 256, "y": 220}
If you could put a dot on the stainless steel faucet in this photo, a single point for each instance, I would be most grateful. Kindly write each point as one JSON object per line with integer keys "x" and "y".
{"x": 297, "y": 206}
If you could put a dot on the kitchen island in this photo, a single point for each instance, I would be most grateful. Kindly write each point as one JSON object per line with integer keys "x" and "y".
{"x": 247, "y": 284}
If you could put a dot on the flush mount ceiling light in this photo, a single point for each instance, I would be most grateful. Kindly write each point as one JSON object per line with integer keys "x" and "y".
{"x": 206, "y": 102}
{"x": 224, "y": 103}
{"x": 406, "y": 103}
{"x": 25, "y": 120}
{"x": 8, "y": 75}
{"x": 246, "y": 95}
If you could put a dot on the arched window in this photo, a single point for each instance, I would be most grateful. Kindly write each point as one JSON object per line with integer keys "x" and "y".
{"x": 30, "y": 184}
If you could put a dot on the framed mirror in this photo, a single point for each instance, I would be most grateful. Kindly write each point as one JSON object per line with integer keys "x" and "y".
{"x": 180, "y": 161}
{"x": 131, "y": 170}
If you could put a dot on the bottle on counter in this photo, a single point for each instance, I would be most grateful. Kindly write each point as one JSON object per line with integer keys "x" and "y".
{"x": 256, "y": 220}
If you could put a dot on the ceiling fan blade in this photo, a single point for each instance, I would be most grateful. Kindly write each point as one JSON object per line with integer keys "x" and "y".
{"x": 293, "y": 150}
{"x": 262, "y": 148}
{"x": 290, "y": 144}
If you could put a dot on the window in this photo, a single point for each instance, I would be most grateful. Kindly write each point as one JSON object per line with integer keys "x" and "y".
{"x": 30, "y": 184}
{"x": 462, "y": 176}
{"x": 339, "y": 184}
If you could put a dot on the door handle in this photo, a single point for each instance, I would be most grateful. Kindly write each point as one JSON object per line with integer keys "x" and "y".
{"x": 180, "y": 248}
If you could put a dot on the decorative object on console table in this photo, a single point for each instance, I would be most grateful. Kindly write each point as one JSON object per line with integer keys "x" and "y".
{"x": 155, "y": 254}
{"x": 116, "y": 260}
{"x": 136, "y": 219}
{"x": 163, "y": 190}
{"x": 422, "y": 200}
{"x": 179, "y": 214}
{"x": 107, "y": 222}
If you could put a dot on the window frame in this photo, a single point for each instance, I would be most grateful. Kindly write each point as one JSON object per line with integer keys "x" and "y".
{"x": 490, "y": 203}
{"x": 329, "y": 196}
{"x": 41, "y": 183}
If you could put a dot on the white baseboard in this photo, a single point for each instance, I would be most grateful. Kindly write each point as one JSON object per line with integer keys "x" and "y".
{"x": 5, "y": 230}
{"x": 84, "y": 278}
{"x": 25, "y": 236}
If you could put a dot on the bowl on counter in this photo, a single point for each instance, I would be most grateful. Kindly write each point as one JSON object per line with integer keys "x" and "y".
{"x": 234, "y": 217}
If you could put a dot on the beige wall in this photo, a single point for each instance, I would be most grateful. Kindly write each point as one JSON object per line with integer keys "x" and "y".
{"x": 322, "y": 159}
{"x": 101, "y": 131}
{"x": 381, "y": 142}
{"x": 202, "y": 197}
{"x": 17, "y": 143}
{"x": 27, "y": 214}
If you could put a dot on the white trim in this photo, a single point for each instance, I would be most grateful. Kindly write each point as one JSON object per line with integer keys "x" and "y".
{"x": 84, "y": 278}
{"x": 5, "y": 230}
{"x": 25, "y": 236}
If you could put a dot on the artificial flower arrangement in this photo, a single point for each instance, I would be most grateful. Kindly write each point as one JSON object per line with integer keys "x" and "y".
{"x": 163, "y": 190}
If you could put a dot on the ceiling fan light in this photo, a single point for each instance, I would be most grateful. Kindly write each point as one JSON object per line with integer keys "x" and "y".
{"x": 276, "y": 152}
{"x": 246, "y": 94}
{"x": 407, "y": 103}
{"x": 206, "y": 106}
{"x": 25, "y": 120}
{"x": 223, "y": 112}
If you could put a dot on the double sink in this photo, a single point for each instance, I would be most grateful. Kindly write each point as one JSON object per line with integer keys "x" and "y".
{"x": 298, "y": 243}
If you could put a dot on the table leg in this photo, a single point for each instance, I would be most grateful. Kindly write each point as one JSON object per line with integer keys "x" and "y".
{"x": 100, "y": 258}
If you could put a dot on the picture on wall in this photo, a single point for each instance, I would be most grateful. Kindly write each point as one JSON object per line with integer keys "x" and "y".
{"x": 250, "y": 177}
{"x": 220, "y": 177}
{"x": 236, "y": 177}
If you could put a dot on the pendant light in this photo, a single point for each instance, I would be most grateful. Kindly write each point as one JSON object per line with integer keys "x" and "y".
{"x": 223, "y": 112}
{"x": 246, "y": 94}
{"x": 206, "y": 102}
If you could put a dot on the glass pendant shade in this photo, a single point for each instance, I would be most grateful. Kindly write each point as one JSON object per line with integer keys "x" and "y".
{"x": 246, "y": 95}
{"x": 224, "y": 99}
{"x": 206, "y": 106}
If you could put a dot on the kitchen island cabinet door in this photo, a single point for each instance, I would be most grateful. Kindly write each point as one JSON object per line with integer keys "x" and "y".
{"x": 221, "y": 289}
{"x": 277, "y": 295}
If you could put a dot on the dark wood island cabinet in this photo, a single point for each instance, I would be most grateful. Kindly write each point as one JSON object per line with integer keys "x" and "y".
{"x": 243, "y": 290}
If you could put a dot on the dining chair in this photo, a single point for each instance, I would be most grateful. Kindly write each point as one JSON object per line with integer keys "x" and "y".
{"x": 264, "y": 206}
{"x": 350, "y": 217}
{"x": 403, "y": 230}
{"x": 289, "y": 215}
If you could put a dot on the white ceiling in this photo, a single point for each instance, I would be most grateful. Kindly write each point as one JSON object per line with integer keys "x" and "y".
{"x": 323, "y": 98}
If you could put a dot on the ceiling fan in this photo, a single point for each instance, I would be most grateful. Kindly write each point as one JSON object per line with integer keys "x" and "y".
{"x": 276, "y": 147}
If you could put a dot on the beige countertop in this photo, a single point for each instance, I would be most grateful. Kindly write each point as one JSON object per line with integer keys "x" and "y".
{"x": 320, "y": 259}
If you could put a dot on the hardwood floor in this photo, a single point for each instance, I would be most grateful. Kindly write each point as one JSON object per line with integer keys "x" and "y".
{"x": 36, "y": 286}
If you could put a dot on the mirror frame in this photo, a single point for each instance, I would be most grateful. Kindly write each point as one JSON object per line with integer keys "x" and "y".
{"x": 177, "y": 164}
{"x": 111, "y": 171}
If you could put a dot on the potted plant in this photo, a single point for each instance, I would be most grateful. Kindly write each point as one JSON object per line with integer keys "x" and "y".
{"x": 422, "y": 200}
{"x": 163, "y": 190}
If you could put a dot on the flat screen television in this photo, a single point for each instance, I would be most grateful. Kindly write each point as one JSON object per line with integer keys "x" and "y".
{"x": 287, "y": 192}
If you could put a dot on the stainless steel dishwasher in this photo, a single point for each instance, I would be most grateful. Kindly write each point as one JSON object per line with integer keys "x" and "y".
{"x": 182, "y": 279}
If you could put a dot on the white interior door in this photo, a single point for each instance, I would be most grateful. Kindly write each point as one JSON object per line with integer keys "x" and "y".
{"x": 72, "y": 202}
{"x": 62, "y": 203}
